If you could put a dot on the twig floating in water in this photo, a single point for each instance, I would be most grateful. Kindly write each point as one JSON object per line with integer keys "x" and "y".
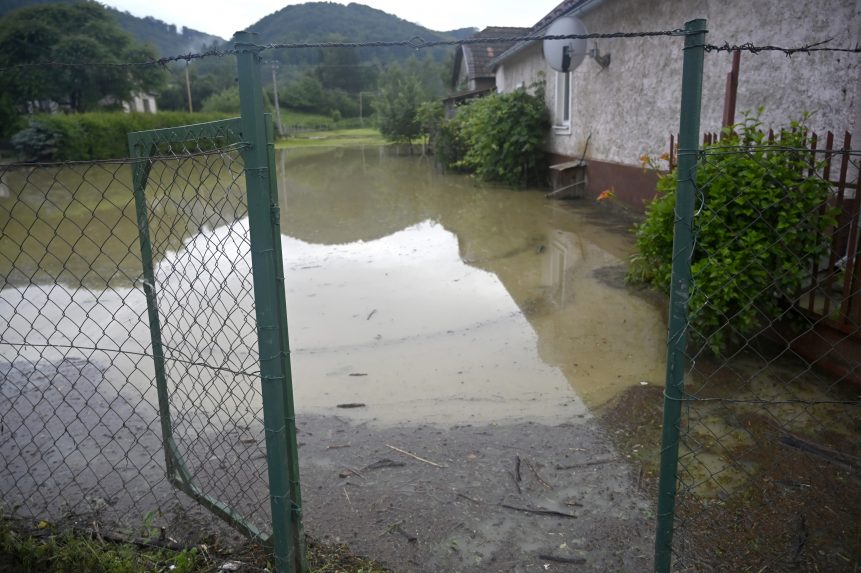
{"x": 350, "y": 472}
{"x": 586, "y": 464}
{"x": 549, "y": 512}
{"x": 556, "y": 559}
{"x": 514, "y": 479}
{"x": 350, "y": 503}
{"x": 384, "y": 463}
{"x": 351, "y": 405}
{"x": 466, "y": 497}
{"x": 540, "y": 479}
{"x": 406, "y": 453}
{"x": 373, "y": 312}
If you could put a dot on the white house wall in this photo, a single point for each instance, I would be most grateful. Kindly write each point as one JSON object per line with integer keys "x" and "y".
{"x": 631, "y": 107}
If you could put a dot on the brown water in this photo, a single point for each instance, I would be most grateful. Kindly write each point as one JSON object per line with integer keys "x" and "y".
{"x": 459, "y": 315}
{"x": 427, "y": 296}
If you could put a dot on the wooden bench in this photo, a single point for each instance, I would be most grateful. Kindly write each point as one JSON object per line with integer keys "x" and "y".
{"x": 567, "y": 180}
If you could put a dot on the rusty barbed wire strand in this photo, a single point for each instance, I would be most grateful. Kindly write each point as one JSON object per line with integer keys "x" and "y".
{"x": 805, "y": 49}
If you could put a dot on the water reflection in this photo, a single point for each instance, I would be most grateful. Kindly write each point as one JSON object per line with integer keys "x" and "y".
{"x": 373, "y": 229}
{"x": 422, "y": 295}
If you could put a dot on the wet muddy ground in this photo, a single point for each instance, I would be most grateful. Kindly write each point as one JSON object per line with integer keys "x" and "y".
{"x": 484, "y": 330}
{"x": 508, "y": 497}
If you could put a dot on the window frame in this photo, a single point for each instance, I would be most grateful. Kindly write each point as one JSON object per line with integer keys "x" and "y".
{"x": 563, "y": 107}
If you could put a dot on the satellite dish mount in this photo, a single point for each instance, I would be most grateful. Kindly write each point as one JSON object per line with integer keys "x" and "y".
{"x": 566, "y": 54}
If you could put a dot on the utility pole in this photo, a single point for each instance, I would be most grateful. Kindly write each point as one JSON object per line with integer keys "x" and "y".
{"x": 277, "y": 104}
{"x": 188, "y": 87}
{"x": 361, "y": 115}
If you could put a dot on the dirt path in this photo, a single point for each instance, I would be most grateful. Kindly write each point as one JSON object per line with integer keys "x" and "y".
{"x": 588, "y": 514}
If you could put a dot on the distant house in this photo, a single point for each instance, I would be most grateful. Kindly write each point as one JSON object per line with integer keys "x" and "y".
{"x": 631, "y": 107}
{"x": 140, "y": 102}
{"x": 137, "y": 102}
{"x": 472, "y": 76}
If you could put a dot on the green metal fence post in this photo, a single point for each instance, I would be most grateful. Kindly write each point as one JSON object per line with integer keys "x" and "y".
{"x": 140, "y": 173}
{"x": 289, "y": 409}
{"x": 271, "y": 318}
{"x": 689, "y": 128}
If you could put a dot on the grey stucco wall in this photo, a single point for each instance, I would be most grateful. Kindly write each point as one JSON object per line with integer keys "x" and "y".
{"x": 631, "y": 107}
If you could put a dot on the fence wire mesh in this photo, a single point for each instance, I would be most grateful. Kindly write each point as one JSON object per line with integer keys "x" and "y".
{"x": 769, "y": 469}
{"x": 80, "y": 439}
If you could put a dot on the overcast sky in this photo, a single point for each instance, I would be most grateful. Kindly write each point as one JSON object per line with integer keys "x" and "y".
{"x": 223, "y": 17}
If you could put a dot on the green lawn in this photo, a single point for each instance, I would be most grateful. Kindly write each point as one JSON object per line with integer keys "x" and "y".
{"x": 333, "y": 138}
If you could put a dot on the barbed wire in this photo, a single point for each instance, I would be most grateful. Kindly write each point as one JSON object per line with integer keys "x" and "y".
{"x": 754, "y": 49}
{"x": 418, "y": 43}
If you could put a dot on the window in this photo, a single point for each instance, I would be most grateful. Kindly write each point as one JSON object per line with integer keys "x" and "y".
{"x": 562, "y": 116}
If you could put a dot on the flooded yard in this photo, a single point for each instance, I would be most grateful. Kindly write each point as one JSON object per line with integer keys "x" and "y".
{"x": 473, "y": 326}
{"x": 431, "y": 298}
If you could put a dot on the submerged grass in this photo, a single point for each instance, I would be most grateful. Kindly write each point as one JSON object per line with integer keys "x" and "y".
{"x": 752, "y": 500}
{"x": 29, "y": 549}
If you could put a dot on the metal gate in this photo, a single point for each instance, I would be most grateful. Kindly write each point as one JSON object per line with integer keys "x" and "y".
{"x": 208, "y": 221}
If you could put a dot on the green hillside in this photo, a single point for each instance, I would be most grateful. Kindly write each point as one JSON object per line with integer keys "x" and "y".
{"x": 166, "y": 38}
{"x": 319, "y": 21}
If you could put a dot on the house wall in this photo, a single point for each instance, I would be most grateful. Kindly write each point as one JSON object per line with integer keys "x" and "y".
{"x": 140, "y": 102}
{"x": 631, "y": 107}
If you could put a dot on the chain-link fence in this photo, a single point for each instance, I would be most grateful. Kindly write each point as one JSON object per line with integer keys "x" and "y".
{"x": 769, "y": 456}
{"x": 131, "y": 364}
{"x": 80, "y": 414}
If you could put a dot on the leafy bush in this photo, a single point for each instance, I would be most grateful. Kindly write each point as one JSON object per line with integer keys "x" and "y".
{"x": 448, "y": 144}
{"x": 88, "y": 136}
{"x": 37, "y": 142}
{"x": 757, "y": 234}
{"x": 499, "y": 137}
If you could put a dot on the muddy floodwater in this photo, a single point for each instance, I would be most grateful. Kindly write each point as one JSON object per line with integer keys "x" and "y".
{"x": 429, "y": 297}
{"x": 474, "y": 326}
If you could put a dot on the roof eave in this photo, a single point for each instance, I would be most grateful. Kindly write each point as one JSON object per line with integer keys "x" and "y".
{"x": 580, "y": 8}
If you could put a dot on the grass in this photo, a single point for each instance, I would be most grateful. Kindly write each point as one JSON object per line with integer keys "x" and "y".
{"x": 28, "y": 549}
{"x": 333, "y": 138}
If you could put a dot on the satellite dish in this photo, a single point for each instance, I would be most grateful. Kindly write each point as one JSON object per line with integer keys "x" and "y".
{"x": 565, "y": 55}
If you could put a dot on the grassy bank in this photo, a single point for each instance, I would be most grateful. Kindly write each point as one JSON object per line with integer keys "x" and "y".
{"x": 333, "y": 138}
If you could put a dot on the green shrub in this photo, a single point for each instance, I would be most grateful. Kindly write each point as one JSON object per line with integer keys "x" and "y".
{"x": 87, "y": 136}
{"x": 757, "y": 233}
{"x": 499, "y": 137}
{"x": 448, "y": 144}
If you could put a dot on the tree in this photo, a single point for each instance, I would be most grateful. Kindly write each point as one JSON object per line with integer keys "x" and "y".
{"x": 340, "y": 68}
{"x": 83, "y": 32}
{"x": 398, "y": 104}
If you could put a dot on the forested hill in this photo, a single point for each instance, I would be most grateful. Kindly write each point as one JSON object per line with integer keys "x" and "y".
{"x": 163, "y": 36}
{"x": 321, "y": 21}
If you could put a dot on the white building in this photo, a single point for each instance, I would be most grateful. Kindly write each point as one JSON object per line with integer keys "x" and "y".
{"x": 631, "y": 107}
